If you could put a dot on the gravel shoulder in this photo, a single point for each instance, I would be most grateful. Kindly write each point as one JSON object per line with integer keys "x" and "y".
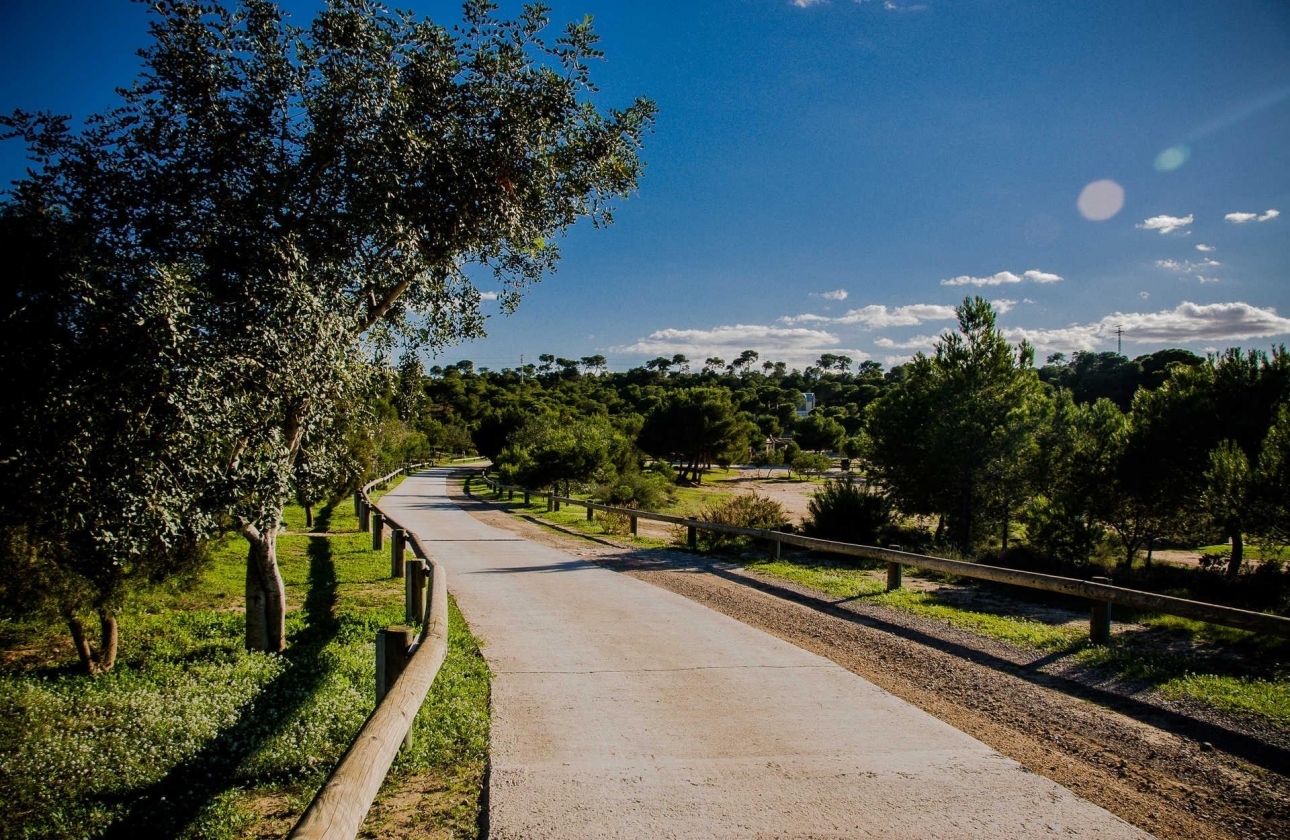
{"x": 1171, "y": 769}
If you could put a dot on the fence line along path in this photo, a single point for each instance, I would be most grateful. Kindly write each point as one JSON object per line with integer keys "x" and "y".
{"x": 621, "y": 710}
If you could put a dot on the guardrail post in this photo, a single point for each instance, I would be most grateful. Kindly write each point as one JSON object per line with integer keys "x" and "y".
{"x": 556, "y": 499}
{"x": 894, "y": 571}
{"x": 358, "y": 501}
{"x": 779, "y": 547}
{"x": 633, "y": 525}
{"x": 467, "y": 487}
{"x": 398, "y": 547}
{"x": 550, "y": 505}
{"x": 364, "y": 516}
{"x": 414, "y": 601}
{"x": 692, "y": 537}
{"x": 392, "y": 645}
{"x": 1099, "y": 630}
{"x": 510, "y": 494}
{"x": 378, "y": 531}
{"x": 526, "y": 498}
{"x": 591, "y": 513}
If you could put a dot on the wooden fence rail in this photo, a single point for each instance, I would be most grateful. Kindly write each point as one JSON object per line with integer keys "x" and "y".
{"x": 1101, "y": 594}
{"x": 338, "y": 810}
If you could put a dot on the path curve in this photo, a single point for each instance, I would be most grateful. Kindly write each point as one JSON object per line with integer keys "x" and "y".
{"x": 622, "y": 710}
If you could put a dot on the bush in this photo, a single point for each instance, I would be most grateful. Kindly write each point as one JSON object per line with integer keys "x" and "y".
{"x": 849, "y": 512}
{"x": 647, "y": 490}
{"x": 744, "y": 511}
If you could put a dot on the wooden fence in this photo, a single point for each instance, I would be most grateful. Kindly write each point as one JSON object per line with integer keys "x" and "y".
{"x": 406, "y": 666}
{"x": 1101, "y": 593}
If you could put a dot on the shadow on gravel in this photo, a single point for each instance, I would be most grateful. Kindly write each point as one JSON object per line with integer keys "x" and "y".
{"x": 167, "y": 807}
{"x": 1239, "y": 744}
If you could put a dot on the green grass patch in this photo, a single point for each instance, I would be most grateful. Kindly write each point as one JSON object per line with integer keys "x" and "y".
{"x": 1238, "y": 671}
{"x": 190, "y": 731}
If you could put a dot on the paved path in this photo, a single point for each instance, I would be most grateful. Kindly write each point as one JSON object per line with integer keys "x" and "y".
{"x": 623, "y": 710}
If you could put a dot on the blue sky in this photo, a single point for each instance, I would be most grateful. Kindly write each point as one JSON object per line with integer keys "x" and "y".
{"x": 835, "y": 176}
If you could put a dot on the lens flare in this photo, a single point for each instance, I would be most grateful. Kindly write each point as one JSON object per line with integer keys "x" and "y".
{"x": 1172, "y": 158}
{"x": 1100, "y": 200}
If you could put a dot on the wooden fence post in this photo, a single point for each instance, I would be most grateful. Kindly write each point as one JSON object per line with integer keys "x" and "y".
{"x": 364, "y": 516}
{"x": 692, "y": 537}
{"x": 526, "y": 498}
{"x": 1099, "y": 630}
{"x": 378, "y": 531}
{"x": 392, "y": 645}
{"x": 556, "y": 499}
{"x": 633, "y": 525}
{"x": 398, "y": 547}
{"x": 358, "y": 501}
{"x": 414, "y": 602}
{"x": 779, "y": 547}
{"x": 550, "y": 504}
{"x": 591, "y": 513}
{"x": 510, "y": 494}
{"x": 894, "y": 571}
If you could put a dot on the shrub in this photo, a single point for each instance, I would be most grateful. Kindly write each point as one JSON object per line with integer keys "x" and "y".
{"x": 744, "y": 511}
{"x": 849, "y": 512}
{"x": 648, "y": 490}
{"x": 617, "y": 524}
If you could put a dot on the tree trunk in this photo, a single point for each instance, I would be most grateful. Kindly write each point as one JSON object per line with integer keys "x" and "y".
{"x": 102, "y": 660}
{"x": 82, "y": 643}
{"x": 309, "y": 516}
{"x": 266, "y": 600}
{"x": 1238, "y": 554}
{"x": 107, "y": 640}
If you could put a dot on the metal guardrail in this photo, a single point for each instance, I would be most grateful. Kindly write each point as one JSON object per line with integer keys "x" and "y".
{"x": 1102, "y": 595}
{"x": 404, "y": 676}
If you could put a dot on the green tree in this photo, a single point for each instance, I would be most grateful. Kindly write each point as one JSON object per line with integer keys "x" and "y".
{"x": 1229, "y": 486}
{"x": 556, "y": 451}
{"x": 956, "y": 429}
{"x": 696, "y": 425}
{"x": 817, "y": 431}
{"x": 323, "y": 186}
{"x": 104, "y": 451}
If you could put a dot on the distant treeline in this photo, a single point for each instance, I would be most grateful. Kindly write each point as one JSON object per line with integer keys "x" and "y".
{"x": 1086, "y": 457}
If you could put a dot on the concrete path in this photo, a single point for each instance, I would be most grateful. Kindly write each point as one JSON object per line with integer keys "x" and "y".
{"x": 623, "y": 710}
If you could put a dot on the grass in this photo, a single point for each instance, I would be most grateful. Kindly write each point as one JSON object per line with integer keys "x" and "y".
{"x": 1233, "y": 670}
{"x": 192, "y": 736}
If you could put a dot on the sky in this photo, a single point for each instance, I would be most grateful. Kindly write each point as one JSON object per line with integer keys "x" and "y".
{"x": 834, "y": 176}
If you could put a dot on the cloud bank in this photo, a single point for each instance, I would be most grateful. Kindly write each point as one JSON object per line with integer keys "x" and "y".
{"x": 877, "y": 316}
{"x": 1187, "y": 323}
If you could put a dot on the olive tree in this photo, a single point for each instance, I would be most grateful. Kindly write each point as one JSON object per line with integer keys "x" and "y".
{"x": 327, "y": 188}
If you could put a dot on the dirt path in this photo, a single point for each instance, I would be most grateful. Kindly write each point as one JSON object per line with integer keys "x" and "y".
{"x": 1174, "y": 771}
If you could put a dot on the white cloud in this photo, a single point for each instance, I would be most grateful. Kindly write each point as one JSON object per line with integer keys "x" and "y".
{"x": 1205, "y": 248}
{"x": 488, "y": 295}
{"x": 1003, "y": 278}
{"x": 1003, "y": 305}
{"x": 806, "y": 4}
{"x": 1166, "y": 224}
{"x": 877, "y": 316}
{"x": 892, "y": 361}
{"x": 1189, "y": 267}
{"x": 1203, "y": 279}
{"x": 1186, "y": 323}
{"x": 1036, "y": 276}
{"x": 918, "y": 342}
{"x": 999, "y": 279}
{"x": 1144, "y": 295}
{"x": 1242, "y": 218}
{"x": 836, "y": 294}
{"x": 797, "y": 346}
